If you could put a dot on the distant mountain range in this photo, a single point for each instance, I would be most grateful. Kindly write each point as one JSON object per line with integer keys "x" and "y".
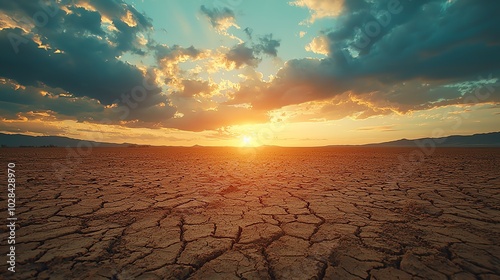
{"x": 19, "y": 140}
{"x": 491, "y": 139}
{"x": 477, "y": 140}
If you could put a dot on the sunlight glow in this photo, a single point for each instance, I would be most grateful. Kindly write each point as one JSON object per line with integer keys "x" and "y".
{"x": 247, "y": 140}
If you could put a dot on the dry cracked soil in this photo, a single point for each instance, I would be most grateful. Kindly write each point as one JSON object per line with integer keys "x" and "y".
{"x": 267, "y": 213}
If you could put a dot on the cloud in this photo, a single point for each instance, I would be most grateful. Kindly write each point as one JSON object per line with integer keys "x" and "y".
{"x": 249, "y": 32}
{"x": 242, "y": 55}
{"x": 319, "y": 45}
{"x": 195, "y": 87}
{"x": 381, "y": 57}
{"x": 321, "y": 8}
{"x": 223, "y": 133}
{"x": 335, "y": 108}
{"x": 70, "y": 69}
{"x": 297, "y": 82}
{"x": 268, "y": 45}
{"x": 38, "y": 127}
{"x": 88, "y": 21}
{"x": 168, "y": 59}
{"x": 408, "y": 65}
{"x": 77, "y": 53}
{"x": 85, "y": 68}
{"x": 17, "y": 99}
{"x": 220, "y": 19}
{"x": 86, "y": 65}
{"x": 382, "y": 128}
{"x": 31, "y": 122}
{"x": 176, "y": 53}
{"x": 249, "y": 53}
{"x": 82, "y": 18}
{"x": 221, "y": 117}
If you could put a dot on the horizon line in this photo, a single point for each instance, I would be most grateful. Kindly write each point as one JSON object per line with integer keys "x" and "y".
{"x": 133, "y": 145}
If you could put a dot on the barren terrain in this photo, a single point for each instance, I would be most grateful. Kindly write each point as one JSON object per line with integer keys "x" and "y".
{"x": 268, "y": 213}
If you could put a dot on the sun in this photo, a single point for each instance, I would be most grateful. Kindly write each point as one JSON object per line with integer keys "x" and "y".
{"x": 247, "y": 140}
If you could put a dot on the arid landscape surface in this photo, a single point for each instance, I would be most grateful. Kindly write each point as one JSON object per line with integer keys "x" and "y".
{"x": 266, "y": 213}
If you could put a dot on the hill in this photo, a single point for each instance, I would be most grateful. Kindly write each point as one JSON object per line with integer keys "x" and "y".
{"x": 19, "y": 140}
{"x": 491, "y": 139}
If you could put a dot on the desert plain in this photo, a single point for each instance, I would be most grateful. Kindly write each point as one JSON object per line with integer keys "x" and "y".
{"x": 254, "y": 213}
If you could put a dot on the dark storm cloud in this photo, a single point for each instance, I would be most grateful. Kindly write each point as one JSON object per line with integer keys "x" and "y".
{"x": 79, "y": 71}
{"x": 125, "y": 38}
{"x": 377, "y": 46}
{"x": 86, "y": 21}
{"x": 400, "y": 42}
{"x": 26, "y": 7}
{"x": 461, "y": 41}
{"x": 363, "y": 23}
{"x": 50, "y": 19}
{"x": 80, "y": 55}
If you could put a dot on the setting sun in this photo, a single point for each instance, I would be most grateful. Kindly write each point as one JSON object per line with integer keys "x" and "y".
{"x": 247, "y": 140}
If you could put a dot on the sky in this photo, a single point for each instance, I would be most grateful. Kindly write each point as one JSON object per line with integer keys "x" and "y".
{"x": 249, "y": 73}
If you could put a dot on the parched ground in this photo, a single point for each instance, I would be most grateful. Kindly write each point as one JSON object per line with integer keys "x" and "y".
{"x": 269, "y": 213}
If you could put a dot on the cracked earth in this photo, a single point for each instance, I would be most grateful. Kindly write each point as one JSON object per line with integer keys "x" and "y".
{"x": 272, "y": 213}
